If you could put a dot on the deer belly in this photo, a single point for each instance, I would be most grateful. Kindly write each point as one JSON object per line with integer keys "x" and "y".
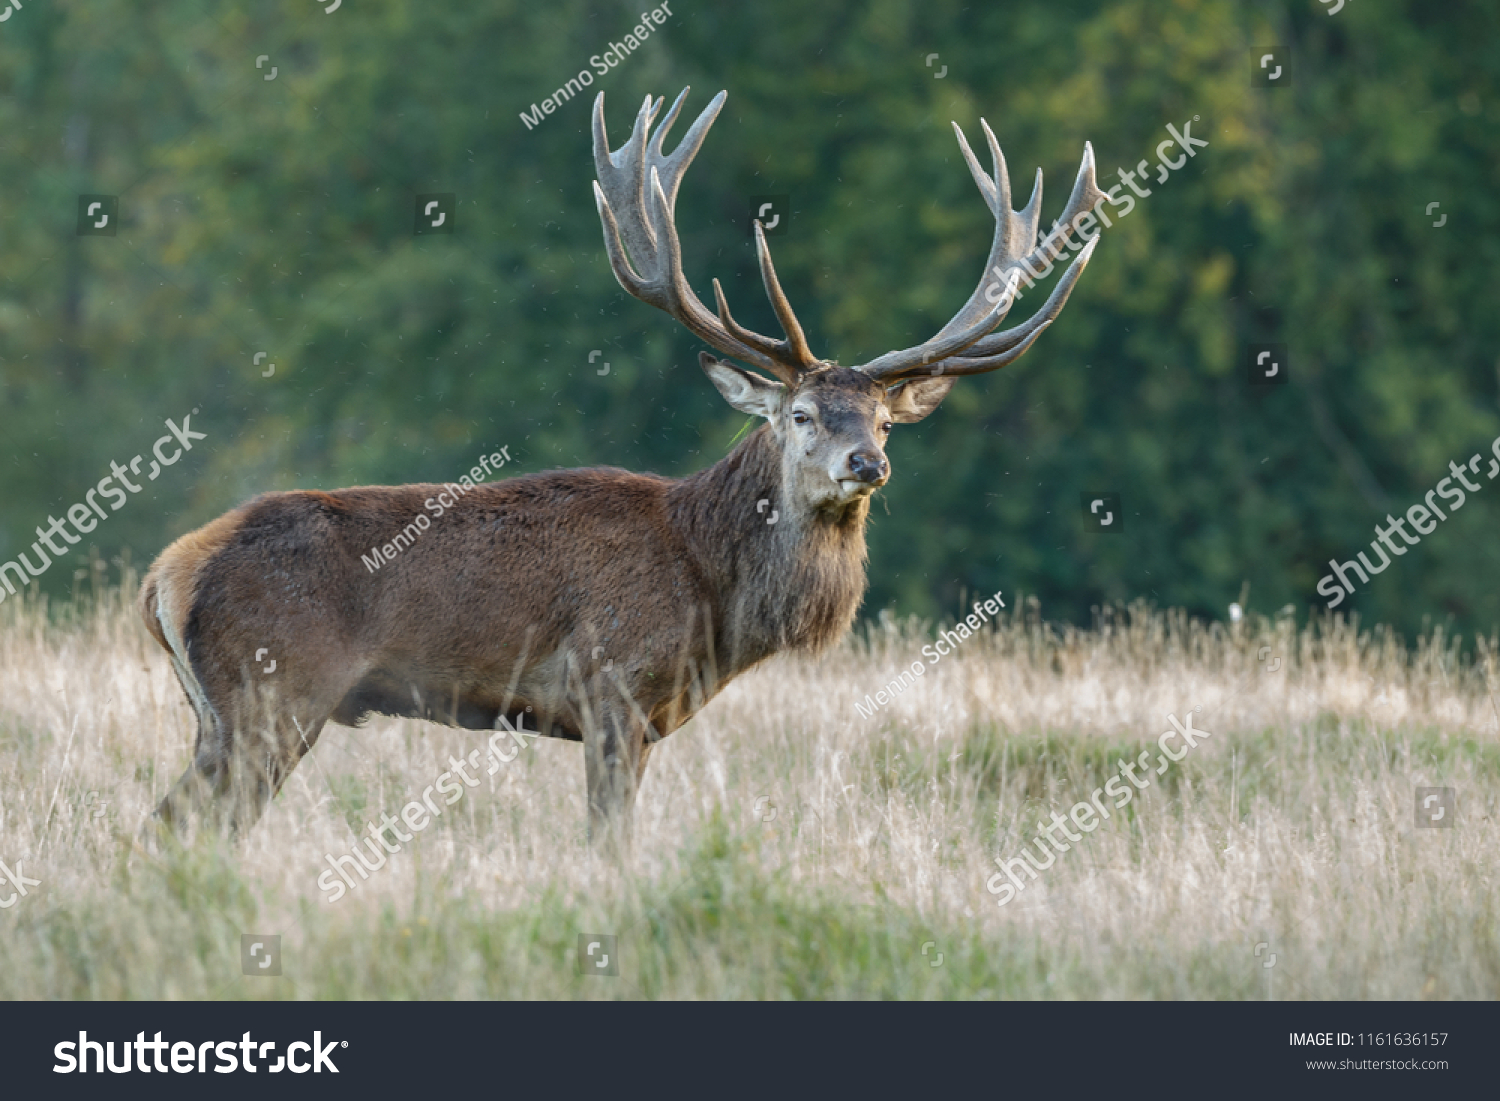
{"x": 386, "y": 693}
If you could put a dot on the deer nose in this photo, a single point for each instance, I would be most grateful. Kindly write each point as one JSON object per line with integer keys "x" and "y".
{"x": 868, "y": 466}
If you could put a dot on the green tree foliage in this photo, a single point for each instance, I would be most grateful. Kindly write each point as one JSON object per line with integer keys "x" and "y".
{"x": 277, "y": 216}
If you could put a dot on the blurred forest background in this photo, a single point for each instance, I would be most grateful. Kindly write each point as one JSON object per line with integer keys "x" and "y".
{"x": 277, "y": 215}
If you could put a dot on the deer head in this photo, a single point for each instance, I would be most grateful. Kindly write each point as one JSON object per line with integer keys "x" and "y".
{"x": 831, "y": 423}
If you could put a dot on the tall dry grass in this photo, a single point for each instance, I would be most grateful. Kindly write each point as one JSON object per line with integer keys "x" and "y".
{"x": 786, "y": 846}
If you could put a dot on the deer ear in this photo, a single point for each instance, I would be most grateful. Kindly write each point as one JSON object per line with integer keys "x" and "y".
{"x": 745, "y": 390}
{"x": 915, "y": 398}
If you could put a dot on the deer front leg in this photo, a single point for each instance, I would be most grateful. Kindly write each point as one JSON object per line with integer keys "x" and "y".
{"x": 614, "y": 754}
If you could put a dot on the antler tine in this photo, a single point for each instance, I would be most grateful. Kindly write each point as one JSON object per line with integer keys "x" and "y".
{"x": 1000, "y": 349}
{"x": 636, "y": 194}
{"x": 795, "y": 343}
{"x": 672, "y": 168}
{"x": 941, "y": 346}
{"x": 961, "y": 365}
{"x": 683, "y": 304}
{"x": 1000, "y": 342}
{"x": 619, "y": 263}
{"x": 1015, "y": 231}
{"x": 794, "y": 348}
{"x": 1085, "y": 196}
{"x": 763, "y": 344}
{"x": 962, "y": 346}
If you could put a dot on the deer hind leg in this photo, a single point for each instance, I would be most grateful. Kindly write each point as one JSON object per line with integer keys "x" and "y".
{"x": 267, "y": 747}
{"x": 206, "y": 778}
{"x": 249, "y": 741}
{"x": 263, "y": 684}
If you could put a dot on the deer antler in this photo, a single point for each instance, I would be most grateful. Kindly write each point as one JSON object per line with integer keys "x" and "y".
{"x": 962, "y": 347}
{"x": 636, "y": 192}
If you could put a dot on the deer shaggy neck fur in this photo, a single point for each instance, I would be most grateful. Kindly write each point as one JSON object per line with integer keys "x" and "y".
{"x": 794, "y": 583}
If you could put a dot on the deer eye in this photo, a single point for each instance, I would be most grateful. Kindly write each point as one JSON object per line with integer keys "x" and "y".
{"x": 799, "y": 417}
{"x": 887, "y": 426}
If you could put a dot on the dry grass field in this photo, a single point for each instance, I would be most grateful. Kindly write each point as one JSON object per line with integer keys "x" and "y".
{"x": 788, "y": 847}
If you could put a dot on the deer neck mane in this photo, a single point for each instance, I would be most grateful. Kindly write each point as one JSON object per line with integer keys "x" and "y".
{"x": 794, "y": 583}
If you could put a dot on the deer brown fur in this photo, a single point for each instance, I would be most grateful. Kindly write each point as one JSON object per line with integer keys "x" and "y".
{"x": 595, "y": 605}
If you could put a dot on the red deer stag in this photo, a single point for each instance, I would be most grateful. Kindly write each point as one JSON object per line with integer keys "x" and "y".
{"x": 609, "y": 605}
